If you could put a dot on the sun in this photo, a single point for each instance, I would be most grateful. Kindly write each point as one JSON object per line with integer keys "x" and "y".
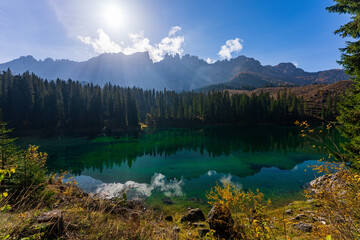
{"x": 113, "y": 15}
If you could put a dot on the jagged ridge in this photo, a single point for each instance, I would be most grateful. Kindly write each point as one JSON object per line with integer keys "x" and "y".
{"x": 173, "y": 72}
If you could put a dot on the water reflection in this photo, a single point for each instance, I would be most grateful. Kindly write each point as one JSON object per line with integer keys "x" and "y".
{"x": 134, "y": 190}
{"x": 275, "y": 183}
{"x": 106, "y": 152}
{"x": 186, "y": 162}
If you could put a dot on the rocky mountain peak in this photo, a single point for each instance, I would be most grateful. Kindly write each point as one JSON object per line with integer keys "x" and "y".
{"x": 173, "y": 72}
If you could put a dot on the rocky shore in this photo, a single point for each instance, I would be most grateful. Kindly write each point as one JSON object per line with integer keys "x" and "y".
{"x": 74, "y": 214}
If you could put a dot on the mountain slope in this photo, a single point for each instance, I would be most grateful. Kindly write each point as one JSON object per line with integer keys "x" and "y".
{"x": 173, "y": 72}
{"x": 314, "y": 95}
{"x": 243, "y": 80}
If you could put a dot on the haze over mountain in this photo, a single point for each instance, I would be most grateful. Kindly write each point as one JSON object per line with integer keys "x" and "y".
{"x": 173, "y": 72}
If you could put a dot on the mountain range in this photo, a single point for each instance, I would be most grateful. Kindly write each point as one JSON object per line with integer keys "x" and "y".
{"x": 173, "y": 72}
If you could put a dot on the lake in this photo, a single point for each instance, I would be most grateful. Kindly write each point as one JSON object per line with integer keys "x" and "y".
{"x": 183, "y": 164}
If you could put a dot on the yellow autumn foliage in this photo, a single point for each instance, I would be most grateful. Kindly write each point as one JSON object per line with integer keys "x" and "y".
{"x": 250, "y": 208}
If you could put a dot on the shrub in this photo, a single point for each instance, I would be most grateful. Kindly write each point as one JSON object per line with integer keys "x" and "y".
{"x": 251, "y": 218}
{"x": 3, "y": 195}
{"x": 337, "y": 194}
{"x": 30, "y": 178}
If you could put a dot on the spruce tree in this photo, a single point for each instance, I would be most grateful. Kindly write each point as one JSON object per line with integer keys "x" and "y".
{"x": 8, "y": 150}
{"x": 350, "y": 59}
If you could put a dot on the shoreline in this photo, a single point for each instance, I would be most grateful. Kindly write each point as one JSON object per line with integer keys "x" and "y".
{"x": 137, "y": 130}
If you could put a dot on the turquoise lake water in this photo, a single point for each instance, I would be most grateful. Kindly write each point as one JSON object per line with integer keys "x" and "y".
{"x": 183, "y": 164}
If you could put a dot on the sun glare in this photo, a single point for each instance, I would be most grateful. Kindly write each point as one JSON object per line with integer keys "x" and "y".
{"x": 113, "y": 15}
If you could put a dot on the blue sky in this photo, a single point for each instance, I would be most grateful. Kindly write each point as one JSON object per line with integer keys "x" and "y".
{"x": 271, "y": 31}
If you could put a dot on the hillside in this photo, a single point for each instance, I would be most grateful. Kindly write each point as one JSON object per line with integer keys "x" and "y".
{"x": 244, "y": 81}
{"x": 314, "y": 95}
{"x": 173, "y": 72}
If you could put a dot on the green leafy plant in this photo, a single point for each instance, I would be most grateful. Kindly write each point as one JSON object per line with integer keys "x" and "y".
{"x": 4, "y": 207}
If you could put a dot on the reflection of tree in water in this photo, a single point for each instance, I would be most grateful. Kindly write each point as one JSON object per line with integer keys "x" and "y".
{"x": 223, "y": 140}
{"x": 214, "y": 141}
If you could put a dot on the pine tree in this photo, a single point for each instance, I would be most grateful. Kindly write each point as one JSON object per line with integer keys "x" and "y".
{"x": 7, "y": 146}
{"x": 350, "y": 58}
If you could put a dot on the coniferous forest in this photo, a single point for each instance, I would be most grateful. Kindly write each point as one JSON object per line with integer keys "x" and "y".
{"x": 27, "y": 101}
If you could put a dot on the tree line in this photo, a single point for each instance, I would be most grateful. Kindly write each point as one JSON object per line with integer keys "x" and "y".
{"x": 27, "y": 101}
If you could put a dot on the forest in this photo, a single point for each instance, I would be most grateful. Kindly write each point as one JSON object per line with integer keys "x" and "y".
{"x": 29, "y": 102}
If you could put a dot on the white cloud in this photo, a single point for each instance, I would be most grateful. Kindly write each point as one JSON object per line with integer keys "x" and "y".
{"x": 102, "y": 44}
{"x": 210, "y": 61}
{"x": 232, "y": 45}
{"x": 173, "y": 30}
{"x": 139, "y": 43}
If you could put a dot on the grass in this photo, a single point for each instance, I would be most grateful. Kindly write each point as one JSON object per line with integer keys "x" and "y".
{"x": 88, "y": 217}
{"x": 84, "y": 221}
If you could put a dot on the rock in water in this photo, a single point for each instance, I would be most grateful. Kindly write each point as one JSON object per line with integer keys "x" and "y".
{"x": 221, "y": 222}
{"x": 193, "y": 215}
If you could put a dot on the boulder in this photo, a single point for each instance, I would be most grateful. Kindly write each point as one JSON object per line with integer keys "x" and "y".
{"x": 320, "y": 220}
{"x": 328, "y": 182}
{"x": 50, "y": 223}
{"x": 300, "y": 216}
{"x": 289, "y": 211}
{"x": 193, "y": 215}
{"x": 221, "y": 222}
{"x": 305, "y": 227}
{"x": 53, "y": 216}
